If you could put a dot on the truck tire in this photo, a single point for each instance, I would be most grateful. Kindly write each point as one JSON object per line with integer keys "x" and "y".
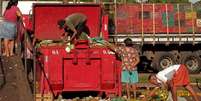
{"x": 192, "y": 62}
{"x": 164, "y": 60}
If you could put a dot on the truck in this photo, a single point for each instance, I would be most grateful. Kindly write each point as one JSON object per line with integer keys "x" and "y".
{"x": 165, "y": 33}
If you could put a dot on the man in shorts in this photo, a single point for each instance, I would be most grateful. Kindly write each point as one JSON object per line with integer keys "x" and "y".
{"x": 130, "y": 59}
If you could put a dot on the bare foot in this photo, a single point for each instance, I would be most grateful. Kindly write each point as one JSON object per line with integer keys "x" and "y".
{"x": 4, "y": 54}
{"x": 11, "y": 54}
{"x": 7, "y": 55}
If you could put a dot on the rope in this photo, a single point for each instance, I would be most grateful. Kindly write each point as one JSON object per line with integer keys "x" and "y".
{"x": 179, "y": 23}
{"x": 167, "y": 21}
{"x": 142, "y": 18}
{"x": 193, "y": 27}
{"x": 154, "y": 26}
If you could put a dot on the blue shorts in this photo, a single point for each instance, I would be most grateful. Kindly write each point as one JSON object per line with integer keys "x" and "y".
{"x": 129, "y": 76}
{"x": 8, "y": 30}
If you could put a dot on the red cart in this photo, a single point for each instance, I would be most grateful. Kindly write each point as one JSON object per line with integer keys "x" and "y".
{"x": 81, "y": 69}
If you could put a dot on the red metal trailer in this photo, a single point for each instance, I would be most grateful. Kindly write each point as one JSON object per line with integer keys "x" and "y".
{"x": 153, "y": 18}
{"x": 82, "y": 69}
{"x": 167, "y": 33}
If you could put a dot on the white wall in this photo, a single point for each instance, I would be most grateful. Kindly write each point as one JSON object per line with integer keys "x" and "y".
{"x": 26, "y": 6}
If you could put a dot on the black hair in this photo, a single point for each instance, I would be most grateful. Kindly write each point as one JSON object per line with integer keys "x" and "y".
{"x": 11, "y": 3}
{"x": 128, "y": 42}
{"x": 61, "y": 23}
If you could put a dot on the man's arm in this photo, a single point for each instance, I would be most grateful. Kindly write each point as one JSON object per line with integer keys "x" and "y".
{"x": 74, "y": 34}
{"x": 109, "y": 45}
{"x": 166, "y": 84}
{"x": 150, "y": 94}
{"x": 72, "y": 28}
{"x": 137, "y": 60}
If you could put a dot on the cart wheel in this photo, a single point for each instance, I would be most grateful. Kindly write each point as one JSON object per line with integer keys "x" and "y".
{"x": 192, "y": 62}
{"x": 163, "y": 61}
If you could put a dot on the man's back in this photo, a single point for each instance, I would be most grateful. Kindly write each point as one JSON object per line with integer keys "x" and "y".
{"x": 167, "y": 73}
{"x": 76, "y": 18}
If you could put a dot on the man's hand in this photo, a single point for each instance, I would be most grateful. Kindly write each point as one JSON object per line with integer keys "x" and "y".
{"x": 109, "y": 45}
{"x": 63, "y": 35}
{"x": 144, "y": 98}
{"x": 150, "y": 93}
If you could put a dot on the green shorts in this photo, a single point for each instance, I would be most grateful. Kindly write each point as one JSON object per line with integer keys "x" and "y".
{"x": 129, "y": 76}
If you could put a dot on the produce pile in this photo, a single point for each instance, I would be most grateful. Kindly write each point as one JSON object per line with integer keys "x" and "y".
{"x": 160, "y": 95}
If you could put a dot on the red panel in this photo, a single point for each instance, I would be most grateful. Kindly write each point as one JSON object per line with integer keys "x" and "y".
{"x": 148, "y": 22}
{"x": 159, "y": 26}
{"x": 83, "y": 69}
{"x": 47, "y": 15}
{"x": 122, "y": 19}
{"x": 131, "y": 20}
{"x": 55, "y": 68}
{"x": 81, "y": 75}
{"x": 109, "y": 72}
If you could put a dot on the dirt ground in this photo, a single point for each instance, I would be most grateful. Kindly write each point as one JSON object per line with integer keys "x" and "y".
{"x": 15, "y": 86}
{"x": 197, "y": 90}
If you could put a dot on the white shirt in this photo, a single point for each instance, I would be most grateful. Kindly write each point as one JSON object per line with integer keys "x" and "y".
{"x": 167, "y": 73}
